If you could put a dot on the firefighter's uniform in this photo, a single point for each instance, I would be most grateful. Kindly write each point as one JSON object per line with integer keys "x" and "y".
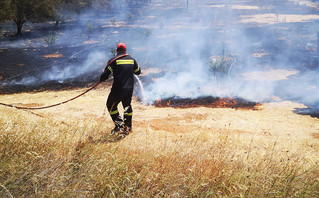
{"x": 123, "y": 70}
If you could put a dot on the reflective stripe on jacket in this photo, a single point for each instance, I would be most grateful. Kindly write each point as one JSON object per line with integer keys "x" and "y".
{"x": 123, "y": 70}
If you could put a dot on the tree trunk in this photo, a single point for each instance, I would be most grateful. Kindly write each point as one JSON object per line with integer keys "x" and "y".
{"x": 57, "y": 22}
{"x": 19, "y": 23}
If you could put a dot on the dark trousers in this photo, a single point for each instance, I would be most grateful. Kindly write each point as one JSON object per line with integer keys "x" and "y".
{"x": 113, "y": 100}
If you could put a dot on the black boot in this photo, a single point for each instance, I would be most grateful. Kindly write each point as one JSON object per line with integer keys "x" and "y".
{"x": 128, "y": 123}
{"x": 125, "y": 131}
{"x": 118, "y": 127}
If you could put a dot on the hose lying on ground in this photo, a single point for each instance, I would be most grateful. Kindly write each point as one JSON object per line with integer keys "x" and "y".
{"x": 54, "y": 105}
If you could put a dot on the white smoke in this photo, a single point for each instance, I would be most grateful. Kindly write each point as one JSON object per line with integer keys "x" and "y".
{"x": 179, "y": 39}
{"x": 183, "y": 48}
{"x": 93, "y": 62}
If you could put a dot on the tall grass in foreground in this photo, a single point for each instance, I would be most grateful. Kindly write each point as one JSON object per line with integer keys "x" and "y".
{"x": 43, "y": 157}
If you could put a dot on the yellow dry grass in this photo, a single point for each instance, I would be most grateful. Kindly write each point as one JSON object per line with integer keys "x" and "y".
{"x": 66, "y": 151}
{"x": 195, "y": 152}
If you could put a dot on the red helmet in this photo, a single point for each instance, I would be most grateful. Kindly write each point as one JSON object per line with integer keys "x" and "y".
{"x": 121, "y": 46}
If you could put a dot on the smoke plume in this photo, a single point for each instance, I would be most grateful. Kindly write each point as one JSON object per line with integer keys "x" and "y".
{"x": 273, "y": 47}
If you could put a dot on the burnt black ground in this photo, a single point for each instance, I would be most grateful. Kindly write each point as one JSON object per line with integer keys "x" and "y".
{"x": 19, "y": 63}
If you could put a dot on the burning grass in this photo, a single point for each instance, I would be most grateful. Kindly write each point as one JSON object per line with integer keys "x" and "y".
{"x": 211, "y": 102}
{"x": 66, "y": 153}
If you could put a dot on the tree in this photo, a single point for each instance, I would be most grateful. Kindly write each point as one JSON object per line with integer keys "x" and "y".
{"x": 80, "y": 5}
{"x": 61, "y": 11}
{"x": 66, "y": 8}
{"x": 4, "y": 4}
{"x": 21, "y": 11}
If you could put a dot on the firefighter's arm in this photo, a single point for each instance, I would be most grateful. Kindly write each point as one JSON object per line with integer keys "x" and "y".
{"x": 137, "y": 69}
{"x": 105, "y": 75}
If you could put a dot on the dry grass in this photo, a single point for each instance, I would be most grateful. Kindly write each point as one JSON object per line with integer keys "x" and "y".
{"x": 213, "y": 152}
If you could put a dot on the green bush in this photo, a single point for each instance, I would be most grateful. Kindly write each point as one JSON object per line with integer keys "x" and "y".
{"x": 50, "y": 39}
{"x": 220, "y": 64}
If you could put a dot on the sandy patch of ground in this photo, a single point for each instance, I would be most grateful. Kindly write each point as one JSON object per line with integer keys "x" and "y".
{"x": 245, "y": 7}
{"x": 272, "y": 18}
{"x": 90, "y": 42}
{"x": 150, "y": 70}
{"x": 259, "y": 55}
{"x": 273, "y": 119}
{"x": 55, "y": 55}
{"x": 305, "y": 3}
{"x": 214, "y": 6}
{"x": 271, "y": 75}
{"x": 235, "y": 7}
{"x": 276, "y": 119}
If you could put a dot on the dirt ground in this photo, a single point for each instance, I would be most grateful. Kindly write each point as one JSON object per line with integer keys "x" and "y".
{"x": 274, "y": 119}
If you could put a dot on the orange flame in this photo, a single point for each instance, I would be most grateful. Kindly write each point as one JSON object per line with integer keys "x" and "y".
{"x": 212, "y": 102}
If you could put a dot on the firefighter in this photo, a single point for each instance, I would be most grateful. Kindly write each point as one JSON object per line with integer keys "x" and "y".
{"x": 123, "y": 67}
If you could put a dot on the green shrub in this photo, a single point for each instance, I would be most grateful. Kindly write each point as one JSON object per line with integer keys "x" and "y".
{"x": 220, "y": 64}
{"x": 50, "y": 39}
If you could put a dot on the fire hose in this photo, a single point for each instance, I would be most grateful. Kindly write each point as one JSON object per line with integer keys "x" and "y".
{"x": 57, "y": 104}
{"x": 54, "y": 105}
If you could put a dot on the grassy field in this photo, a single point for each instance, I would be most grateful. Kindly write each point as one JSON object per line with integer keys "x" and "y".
{"x": 67, "y": 151}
